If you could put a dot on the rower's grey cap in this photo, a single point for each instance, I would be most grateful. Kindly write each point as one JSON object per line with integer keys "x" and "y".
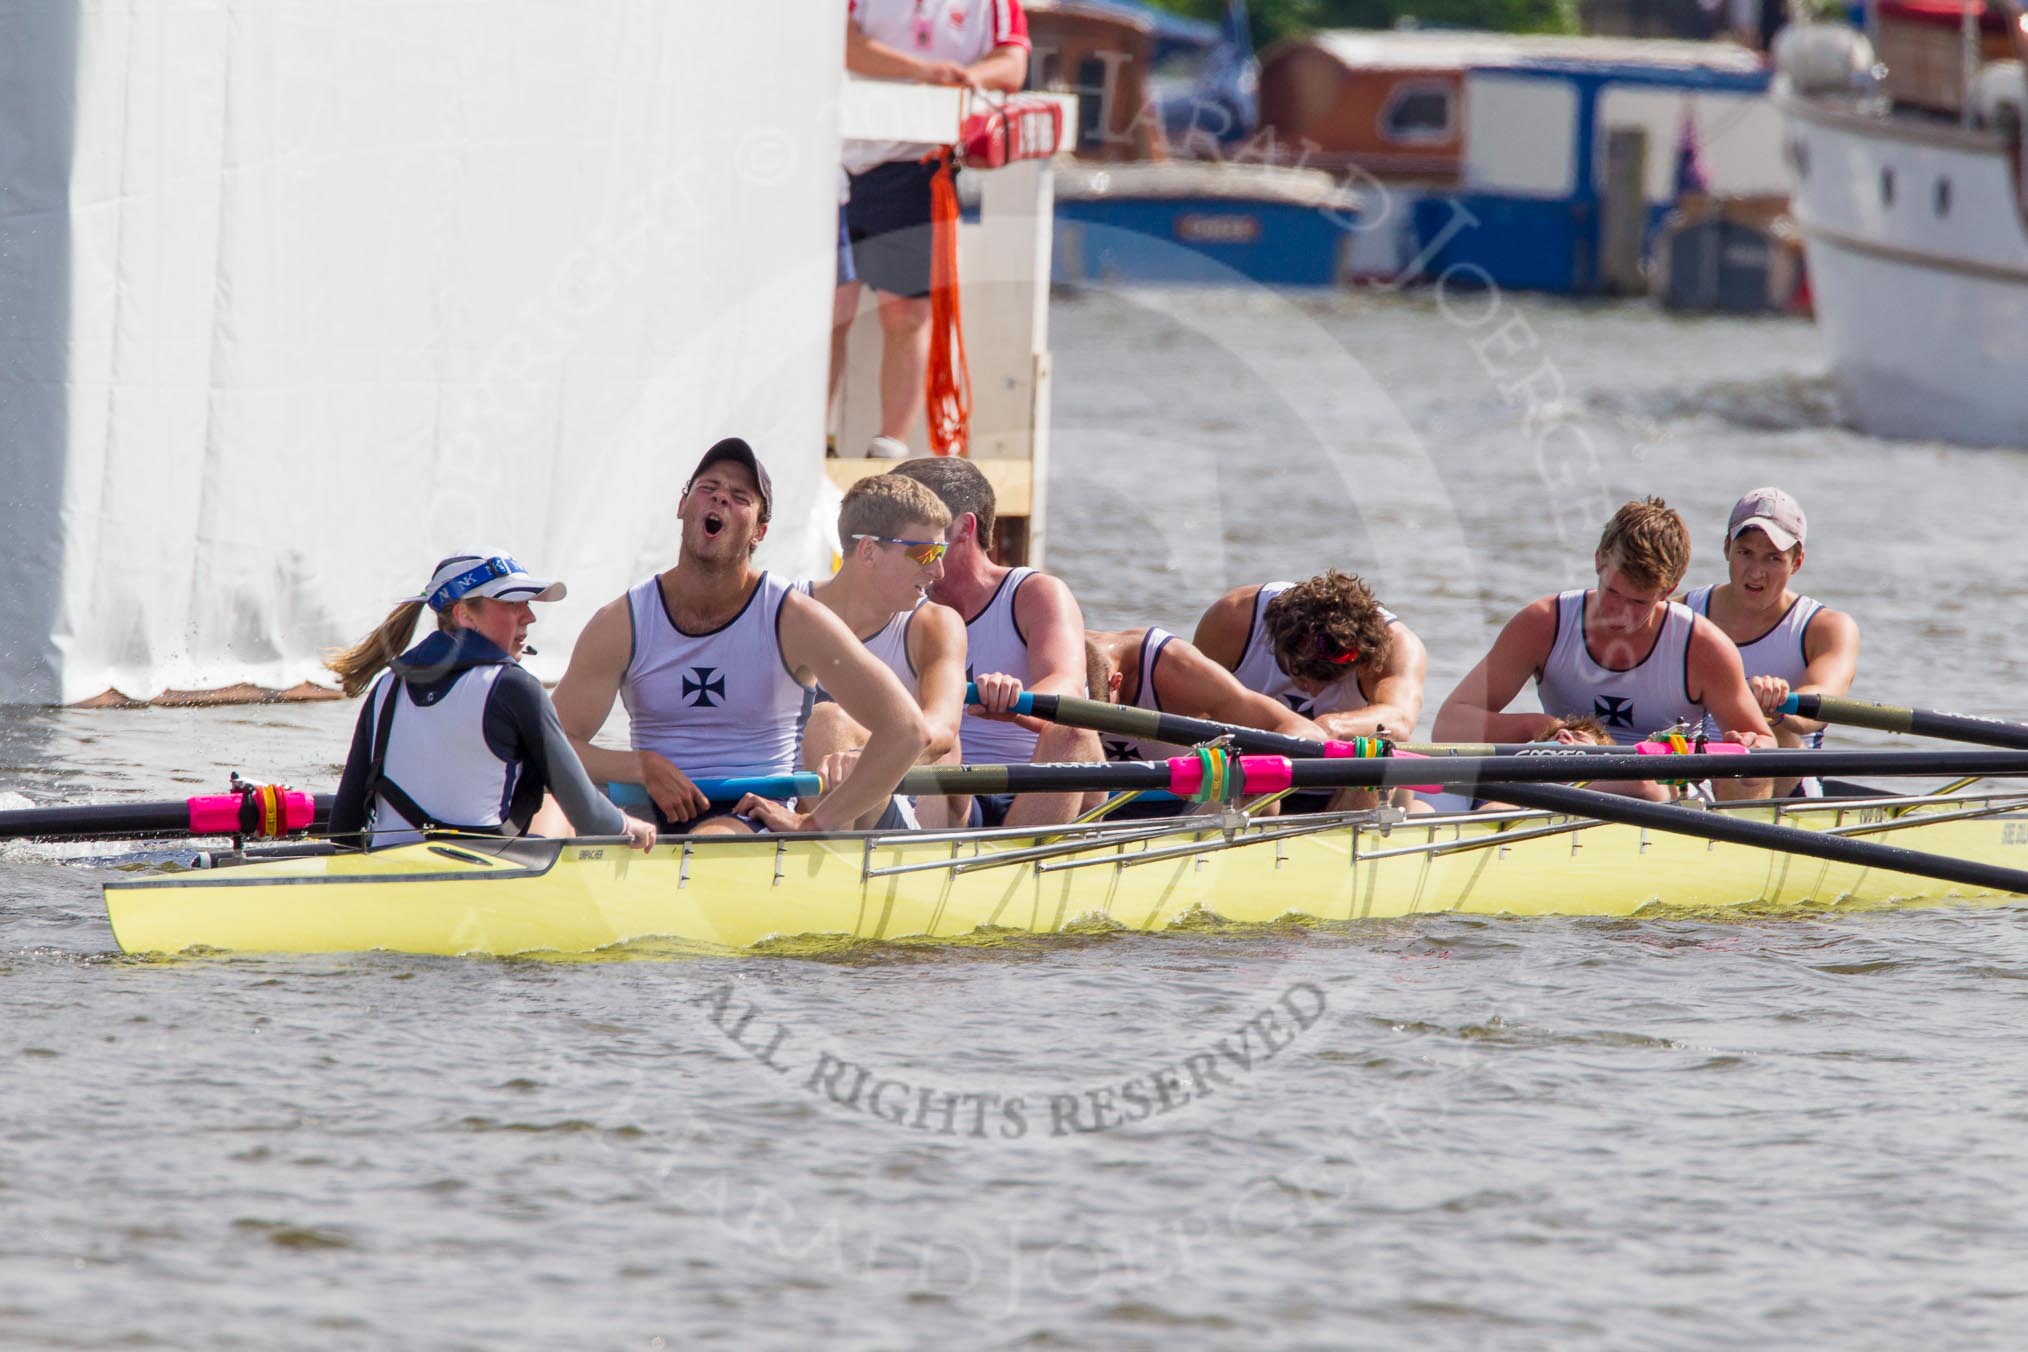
{"x": 736, "y": 450}
{"x": 1770, "y": 510}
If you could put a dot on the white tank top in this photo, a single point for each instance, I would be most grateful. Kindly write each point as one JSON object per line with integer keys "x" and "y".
{"x": 994, "y": 643}
{"x": 722, "y": 703}
{"x": 1133, "y": 748}
{"x": 437, "y": 754}
{"x": 1778, "y": 652}
{"x": 1261, "y": 672}
{"x": 890, "y": 645}
{"x": 1632, "y": 704}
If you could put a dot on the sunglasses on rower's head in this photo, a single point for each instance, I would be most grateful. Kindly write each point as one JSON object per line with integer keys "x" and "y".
{"x": 1328, "y": 651}
{"x": 924, "y": 552}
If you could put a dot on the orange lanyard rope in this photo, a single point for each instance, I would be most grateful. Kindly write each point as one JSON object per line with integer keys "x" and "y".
{"x": 948, "y": 383}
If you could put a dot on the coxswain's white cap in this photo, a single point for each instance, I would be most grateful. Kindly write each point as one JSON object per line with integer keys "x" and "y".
{"x": 1770, "y": 510}
{"x": 490, "y": 573}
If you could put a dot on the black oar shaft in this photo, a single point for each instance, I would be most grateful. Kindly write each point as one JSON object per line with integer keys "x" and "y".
{"x": 102, "y": 821}
{"x": 1557, "y": 766}
{"x": 1150, "y": 726}
{"x": 1463, "y": 772}
{"x": 1736, "y": 830}
{"x": 1861, "y": 713}
{"x": 1073, "y": 777}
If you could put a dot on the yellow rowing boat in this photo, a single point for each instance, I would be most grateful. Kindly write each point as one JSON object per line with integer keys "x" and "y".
{"x": 479, "y": 895}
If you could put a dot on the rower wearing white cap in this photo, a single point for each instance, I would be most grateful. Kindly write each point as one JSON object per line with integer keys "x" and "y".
{"x": 456, "y": 735}
{"x": 1788, "y": 643}
{"x": 716, "y": 661}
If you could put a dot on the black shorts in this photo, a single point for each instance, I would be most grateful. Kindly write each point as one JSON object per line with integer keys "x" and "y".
{"x": 846, "y": 272}
{"x": 990, "y": 809}
{"x": 888, "y": 223}
{"x": 1155, "y": 809}
{"x": 684, "y": 828}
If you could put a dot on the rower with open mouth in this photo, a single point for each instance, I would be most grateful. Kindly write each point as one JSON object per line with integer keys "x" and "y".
{"x": 891, "y": 537}
{"x": 716, "y": 661}
{"x": 1788, "y": 643}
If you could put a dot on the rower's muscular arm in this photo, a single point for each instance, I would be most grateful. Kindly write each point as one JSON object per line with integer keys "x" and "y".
{"x": 1831, "y": 651}
{"x": 816, "y": 640}
{"x": 1222, "y": 630}
{"x": 937, "y": 647}
{"x": 1397, "y": 694}
{"x": 590, "y": 684}
{"x": 1475, "y": 711}
{"x": 1049, "y": 619}
{"x": 1189, "y": 683}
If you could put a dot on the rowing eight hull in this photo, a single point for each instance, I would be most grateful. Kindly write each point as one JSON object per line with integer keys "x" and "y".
{"x": 716, "y": 894}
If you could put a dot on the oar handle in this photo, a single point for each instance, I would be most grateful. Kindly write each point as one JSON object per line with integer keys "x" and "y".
{"x": 1024, "y": 703}
{"x": 800, "y": 784}
{"x": 1861, "y": 713}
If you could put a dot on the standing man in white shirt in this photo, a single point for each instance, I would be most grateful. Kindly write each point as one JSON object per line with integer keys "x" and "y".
{"x": 982, "y": 44}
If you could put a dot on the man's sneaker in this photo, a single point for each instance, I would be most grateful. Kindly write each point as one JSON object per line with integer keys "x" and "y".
{"x": 887, "y": 448}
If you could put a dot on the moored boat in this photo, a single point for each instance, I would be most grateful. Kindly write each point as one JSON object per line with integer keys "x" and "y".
{"x": 1908, "y": 197}
{"x": 486, "y": 896}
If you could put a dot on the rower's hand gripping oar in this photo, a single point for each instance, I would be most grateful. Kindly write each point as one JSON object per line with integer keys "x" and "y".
{"x": 1861, "y": 713}
{"x": 1522, "y": 769}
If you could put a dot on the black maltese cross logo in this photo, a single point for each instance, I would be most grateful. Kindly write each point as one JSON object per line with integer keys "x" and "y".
{"x": 1613, "y": 711}
{"x": 707, "y": 684}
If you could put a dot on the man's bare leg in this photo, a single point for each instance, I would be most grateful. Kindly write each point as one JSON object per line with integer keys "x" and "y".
{"x": 832, "y": 732}
{"x": 1057, "y": 744}
{"x": 904, "y": 360}
{"x": 937, "y": 813}
{"x": 844, "y": 307}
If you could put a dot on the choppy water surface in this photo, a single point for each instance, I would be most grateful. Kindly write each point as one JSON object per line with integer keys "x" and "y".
{"x": 1448, "y": 1132}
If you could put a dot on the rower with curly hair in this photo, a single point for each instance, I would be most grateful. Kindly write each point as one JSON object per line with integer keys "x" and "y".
{"x": 1327, "y": 649}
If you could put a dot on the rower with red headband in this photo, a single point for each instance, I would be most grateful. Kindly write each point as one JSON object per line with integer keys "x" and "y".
{"x": 1326, "y": 648}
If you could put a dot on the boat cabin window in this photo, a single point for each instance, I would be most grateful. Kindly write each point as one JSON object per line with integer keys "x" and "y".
{"x": 1417, "y": 114}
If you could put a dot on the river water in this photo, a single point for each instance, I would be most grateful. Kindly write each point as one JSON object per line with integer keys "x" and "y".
{"x": 1470, "y": 1133}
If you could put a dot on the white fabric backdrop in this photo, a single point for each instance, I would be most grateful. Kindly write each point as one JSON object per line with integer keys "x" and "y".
{"x": 296, "y": 299}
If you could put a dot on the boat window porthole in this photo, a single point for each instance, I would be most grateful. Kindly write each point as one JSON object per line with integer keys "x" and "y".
{"x": 1943, "y": 197}
{"x": 1887, "y": 187}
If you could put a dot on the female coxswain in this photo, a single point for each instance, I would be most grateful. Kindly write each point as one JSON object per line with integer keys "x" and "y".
{"x": 456, "y": 735}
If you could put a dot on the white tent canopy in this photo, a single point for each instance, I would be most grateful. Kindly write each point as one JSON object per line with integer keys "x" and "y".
{"x": 296, "y": 299}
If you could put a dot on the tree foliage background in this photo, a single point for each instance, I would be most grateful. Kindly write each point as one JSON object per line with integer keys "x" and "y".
{"x": 1282, "y": 18}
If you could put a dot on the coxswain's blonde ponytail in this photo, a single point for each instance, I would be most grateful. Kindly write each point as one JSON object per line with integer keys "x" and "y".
{"x": 357, "y": 665}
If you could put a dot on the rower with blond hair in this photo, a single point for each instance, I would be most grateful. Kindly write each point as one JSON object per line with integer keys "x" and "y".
{"x": 455, "y": 734}
{"x": 891, "y": 538}
{"x": 1621, "y": 652}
